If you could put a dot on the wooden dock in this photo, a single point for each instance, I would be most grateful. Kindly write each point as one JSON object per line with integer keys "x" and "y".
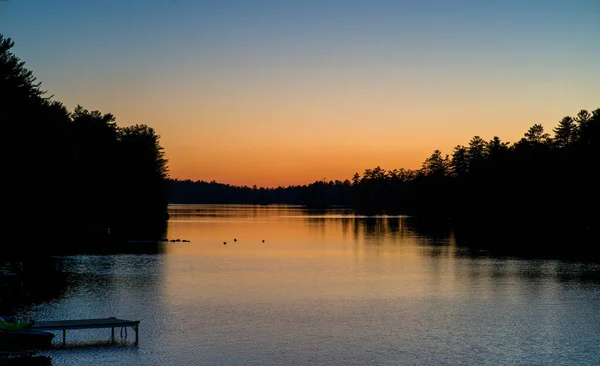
{"x": 88, "y": 324}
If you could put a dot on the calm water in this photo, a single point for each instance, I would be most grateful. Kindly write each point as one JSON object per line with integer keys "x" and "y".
{"x": 324, "y": 288}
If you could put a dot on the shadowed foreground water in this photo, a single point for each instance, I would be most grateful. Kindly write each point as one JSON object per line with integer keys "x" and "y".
{"x": 324, "y": 288}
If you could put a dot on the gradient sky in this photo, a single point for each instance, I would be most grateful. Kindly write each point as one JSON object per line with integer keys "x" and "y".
{"x": 288, "y": 92}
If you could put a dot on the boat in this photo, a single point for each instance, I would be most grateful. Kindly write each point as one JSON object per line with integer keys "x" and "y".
{"x": 25, "y": 339}
{"x": 18, "y": 334}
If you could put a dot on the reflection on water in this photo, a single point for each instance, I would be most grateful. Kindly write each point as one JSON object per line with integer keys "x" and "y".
{"x": 24, "y": 359}
{"x": 303, "y": 287}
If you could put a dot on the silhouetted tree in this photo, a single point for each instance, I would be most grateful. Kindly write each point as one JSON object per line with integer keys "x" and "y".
{"x": 496, "y": 149}
{"x": 565, "y": 133}
{"x": 459, "y": 164}
{"x": 95, "y": 135}
{"x": 39, "y": 156}
{"x": 143, "y": 175}
{"x": 436, "y": 165}
{"x": 63, "y": 168}
{"x": 535, "y": 136}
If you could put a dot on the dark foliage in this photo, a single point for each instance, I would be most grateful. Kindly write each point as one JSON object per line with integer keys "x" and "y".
{"x": 72, "y": 176}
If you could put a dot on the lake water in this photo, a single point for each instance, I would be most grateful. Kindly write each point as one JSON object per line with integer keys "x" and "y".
{"x": 324, "y": 288}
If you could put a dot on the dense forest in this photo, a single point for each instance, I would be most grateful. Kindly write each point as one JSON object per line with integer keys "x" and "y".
{"x": 73, "y": 177}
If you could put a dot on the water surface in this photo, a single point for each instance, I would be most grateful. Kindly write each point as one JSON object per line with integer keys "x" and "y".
{"x": 299, "y": 287}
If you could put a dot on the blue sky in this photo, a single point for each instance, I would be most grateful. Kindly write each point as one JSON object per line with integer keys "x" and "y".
{"x": 313, "y": 77}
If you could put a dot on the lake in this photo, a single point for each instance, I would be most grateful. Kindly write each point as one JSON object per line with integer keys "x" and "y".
{"x": 298, "y": 287}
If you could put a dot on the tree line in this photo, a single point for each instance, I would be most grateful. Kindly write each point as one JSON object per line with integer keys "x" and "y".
{"x": 73, "y": 176}
{"x": 538, "y": 188}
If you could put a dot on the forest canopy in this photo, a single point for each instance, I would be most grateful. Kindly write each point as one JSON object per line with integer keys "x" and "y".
{"x": 77, "y": 172}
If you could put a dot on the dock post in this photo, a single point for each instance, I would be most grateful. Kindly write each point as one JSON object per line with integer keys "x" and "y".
{"x": 64, "y": 336}
{"x": 136, "y": 334}
{"x": 112, "y": 333}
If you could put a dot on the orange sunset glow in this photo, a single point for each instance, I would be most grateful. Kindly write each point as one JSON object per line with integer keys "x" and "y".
{"x": 276, "y": 95}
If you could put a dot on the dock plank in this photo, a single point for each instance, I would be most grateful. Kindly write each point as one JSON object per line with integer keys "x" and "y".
{"x": 64, "y": 325}
{"x": 84, "y": 324}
